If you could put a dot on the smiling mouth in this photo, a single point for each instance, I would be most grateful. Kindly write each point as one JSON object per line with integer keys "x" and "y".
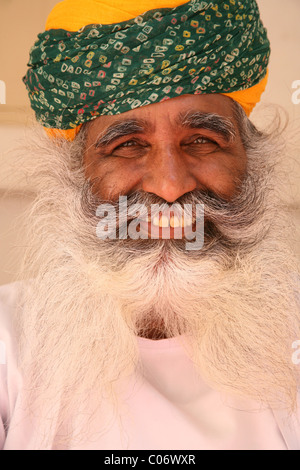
{"x": 164, "y": 226}
{"x": 187, "y": 224}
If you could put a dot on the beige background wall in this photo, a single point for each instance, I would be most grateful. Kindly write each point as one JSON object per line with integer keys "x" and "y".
{"x": 21, "y": 21}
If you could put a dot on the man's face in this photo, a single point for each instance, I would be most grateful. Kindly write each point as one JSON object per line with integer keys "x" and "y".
{"x": 167, "y": 149}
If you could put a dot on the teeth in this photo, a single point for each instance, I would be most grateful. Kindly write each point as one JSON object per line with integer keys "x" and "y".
{"x": 173, "y": 221}
{"x": 164, "y": 221}
{"x": 156, "y": 221}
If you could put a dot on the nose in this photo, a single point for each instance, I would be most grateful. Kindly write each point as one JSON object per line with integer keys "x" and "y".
{"x": 168, "y": 175}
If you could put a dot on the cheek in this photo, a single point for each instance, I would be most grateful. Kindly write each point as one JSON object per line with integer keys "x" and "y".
{"x": 109, "y": 178}
{"x": 99, "y": 175}
{"x": 221, "y": 176}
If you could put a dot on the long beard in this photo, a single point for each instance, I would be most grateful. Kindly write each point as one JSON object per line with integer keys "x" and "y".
{"x": 233, "y": 304}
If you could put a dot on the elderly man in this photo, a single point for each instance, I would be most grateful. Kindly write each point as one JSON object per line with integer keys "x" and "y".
{"x": 161, "y": 308}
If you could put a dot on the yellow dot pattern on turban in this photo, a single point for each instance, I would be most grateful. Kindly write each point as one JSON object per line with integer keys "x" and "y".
{"x": 72, "y": 15}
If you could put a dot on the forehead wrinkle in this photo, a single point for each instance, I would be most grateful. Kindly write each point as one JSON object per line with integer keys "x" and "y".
{"x": 210, "y": 121}
{"x": 121, "y": 128}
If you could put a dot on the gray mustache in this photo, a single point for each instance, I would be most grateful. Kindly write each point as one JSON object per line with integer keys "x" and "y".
{"x": 228, "y": 223}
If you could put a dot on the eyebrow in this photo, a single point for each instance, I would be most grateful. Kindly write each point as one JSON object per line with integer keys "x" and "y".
{"x": 210, "y": 121}
{"x": 191, "y": 120}
{"x": 121, "y": 129}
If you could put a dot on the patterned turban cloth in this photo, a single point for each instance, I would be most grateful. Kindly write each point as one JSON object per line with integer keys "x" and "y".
{"x": 100, "y": 57}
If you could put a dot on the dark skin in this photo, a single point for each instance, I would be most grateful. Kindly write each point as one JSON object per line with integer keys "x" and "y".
{"x": 162, "y": 156}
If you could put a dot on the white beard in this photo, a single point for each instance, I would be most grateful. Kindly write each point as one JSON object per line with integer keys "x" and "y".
{"x": 234, "y": 306}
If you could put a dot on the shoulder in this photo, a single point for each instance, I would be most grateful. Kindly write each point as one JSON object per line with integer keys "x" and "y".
{"x": 10, "y": 300}
{"x": 11, "y": 306}
{"x": 9, "y": 294}
{"x": 289, "y": 425}
{"x": 9, "y": 375}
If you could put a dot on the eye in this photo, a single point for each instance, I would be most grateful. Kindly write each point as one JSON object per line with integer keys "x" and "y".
{"x": 200, "y": 145}
{"x": 199, "y": 141}
{"x": 131, "y": 148}
{"x": 203, "y": 140}
{"x": 129, "y": 143}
